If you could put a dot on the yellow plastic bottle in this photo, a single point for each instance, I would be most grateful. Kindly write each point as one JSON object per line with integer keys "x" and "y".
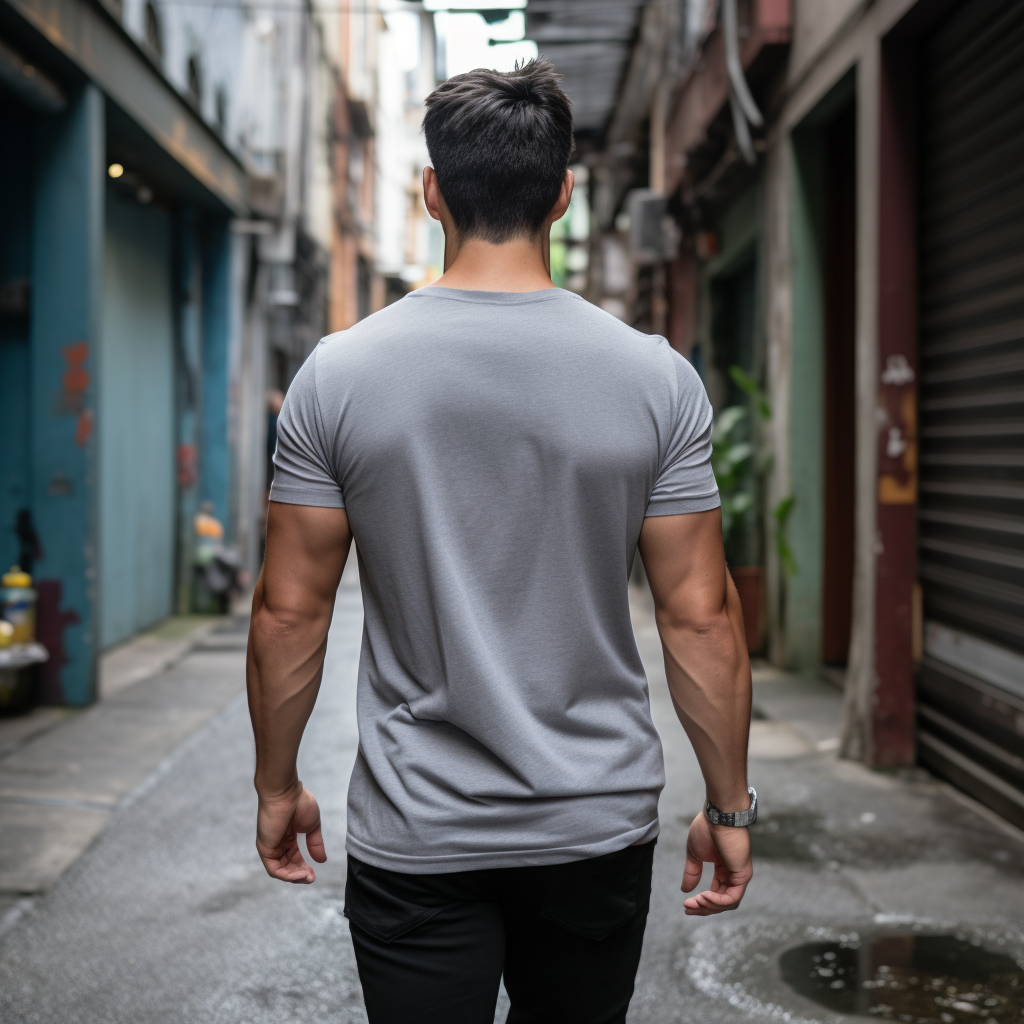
{"x": 18, "y": 604}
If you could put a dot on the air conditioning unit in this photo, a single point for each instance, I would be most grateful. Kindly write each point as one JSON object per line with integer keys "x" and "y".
{"x": 652, "y": 234}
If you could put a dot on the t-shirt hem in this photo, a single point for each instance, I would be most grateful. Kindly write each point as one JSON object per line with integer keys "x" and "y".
{"x": 677, "y": 506}
{"x": 449, "y": 863}
{"x": 294, "y": 496}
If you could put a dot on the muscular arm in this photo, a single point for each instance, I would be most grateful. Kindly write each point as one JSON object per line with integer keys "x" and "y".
{"x": 698, "y": 614}
{"x": 291, "y": 614}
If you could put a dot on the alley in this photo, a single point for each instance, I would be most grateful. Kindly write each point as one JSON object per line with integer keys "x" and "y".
{"x": 169, "y": 916}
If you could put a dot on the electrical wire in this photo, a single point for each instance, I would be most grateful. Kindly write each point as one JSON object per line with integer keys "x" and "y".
{"x": 737, "y": 79}
{"x": 741, "y": 129}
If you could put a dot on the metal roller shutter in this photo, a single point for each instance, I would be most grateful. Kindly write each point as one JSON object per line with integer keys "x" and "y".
{"x": 971, "y": 526}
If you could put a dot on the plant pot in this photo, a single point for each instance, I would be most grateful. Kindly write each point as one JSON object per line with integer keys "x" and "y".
{"x": 749, "y": 580}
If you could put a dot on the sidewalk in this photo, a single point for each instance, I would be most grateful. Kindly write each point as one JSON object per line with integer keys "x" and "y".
{"x": 65, "y": 773}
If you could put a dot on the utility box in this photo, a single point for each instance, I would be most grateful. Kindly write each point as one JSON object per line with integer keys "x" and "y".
{"x": 652, "y": 235}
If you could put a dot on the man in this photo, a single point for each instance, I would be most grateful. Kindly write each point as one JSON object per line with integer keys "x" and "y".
{"x": 498, "y": 447}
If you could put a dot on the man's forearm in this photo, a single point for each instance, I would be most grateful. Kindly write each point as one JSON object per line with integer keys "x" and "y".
{"x": 283, "y": 671}
{"x": 708, "y": 674}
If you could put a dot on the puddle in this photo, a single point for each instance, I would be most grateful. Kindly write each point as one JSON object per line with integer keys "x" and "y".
{"x": 922, "y": 979}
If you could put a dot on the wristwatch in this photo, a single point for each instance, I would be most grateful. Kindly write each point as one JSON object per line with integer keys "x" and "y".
{"x": 734, "y": 819}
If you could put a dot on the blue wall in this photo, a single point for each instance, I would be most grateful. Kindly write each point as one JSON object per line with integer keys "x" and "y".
{"x": 15, "y": 263}
{"x": 215, "y": 460}
{"x": 67, "y": 255}
{"x": 188, "y": 400}
{"x": 136, "y": 421}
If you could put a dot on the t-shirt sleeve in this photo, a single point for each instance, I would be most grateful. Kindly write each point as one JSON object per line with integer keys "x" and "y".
{"x": 685, "y": 481}
{"x": 303, "y": 474}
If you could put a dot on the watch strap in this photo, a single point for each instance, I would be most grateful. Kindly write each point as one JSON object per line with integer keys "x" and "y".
{"x": 733, "y": 819}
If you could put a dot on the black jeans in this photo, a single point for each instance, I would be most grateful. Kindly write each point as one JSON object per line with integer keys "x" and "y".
{"x": 431, "y": 949}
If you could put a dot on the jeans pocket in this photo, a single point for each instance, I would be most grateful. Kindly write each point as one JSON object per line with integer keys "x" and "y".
{"x": 595, "y": 897}
{"x": 373, "y": 904}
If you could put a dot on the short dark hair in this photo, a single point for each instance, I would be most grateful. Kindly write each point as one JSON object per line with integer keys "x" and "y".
{"x": 500, "y": 144}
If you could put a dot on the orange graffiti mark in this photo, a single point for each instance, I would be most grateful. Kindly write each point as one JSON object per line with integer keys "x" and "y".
{"x": 76, "y": 377}
{"x": 83, "y": 428}
{"x": 70, "y": 400}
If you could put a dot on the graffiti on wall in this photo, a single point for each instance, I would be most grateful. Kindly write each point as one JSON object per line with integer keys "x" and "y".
{"x": 74, "y": 386}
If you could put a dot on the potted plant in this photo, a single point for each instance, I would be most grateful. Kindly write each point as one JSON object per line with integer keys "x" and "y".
{"x": 741, "y": 460}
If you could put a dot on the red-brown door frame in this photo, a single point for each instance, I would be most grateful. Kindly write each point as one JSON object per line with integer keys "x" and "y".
{"x": 896, "y": 550}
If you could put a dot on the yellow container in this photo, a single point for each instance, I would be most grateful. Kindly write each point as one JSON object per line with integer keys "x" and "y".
{"x": 18, "y": 604}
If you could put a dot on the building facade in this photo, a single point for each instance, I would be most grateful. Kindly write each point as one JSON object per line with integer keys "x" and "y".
{"x": 844, "y": 183}
{"x": 165, "y": 231}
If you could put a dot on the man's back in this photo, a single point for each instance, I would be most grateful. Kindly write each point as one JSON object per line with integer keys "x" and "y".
{"x": 496, "y": 454}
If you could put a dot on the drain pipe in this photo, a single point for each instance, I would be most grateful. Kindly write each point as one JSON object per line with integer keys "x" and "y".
{"x": 744, "y": 109}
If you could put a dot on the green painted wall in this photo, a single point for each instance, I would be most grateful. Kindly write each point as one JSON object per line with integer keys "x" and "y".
{"x": 739, "y": 230}
{"x": 802, "y": 614}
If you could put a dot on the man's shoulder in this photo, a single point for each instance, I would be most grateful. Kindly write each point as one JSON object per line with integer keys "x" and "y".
{"x": 609, "y": 323}
{"x": 376, "y": 325}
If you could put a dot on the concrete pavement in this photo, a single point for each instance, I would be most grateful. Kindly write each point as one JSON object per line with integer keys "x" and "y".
{"x": 168, "y": 916}
{"x": 64, "y": 774}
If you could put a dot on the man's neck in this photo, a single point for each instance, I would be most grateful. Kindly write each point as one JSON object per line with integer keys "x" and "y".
{"x": 516, "y": 266}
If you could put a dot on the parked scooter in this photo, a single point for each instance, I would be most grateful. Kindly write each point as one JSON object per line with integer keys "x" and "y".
{"x": 219, "y": 576}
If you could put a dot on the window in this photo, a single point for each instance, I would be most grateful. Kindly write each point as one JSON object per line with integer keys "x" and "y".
{"x": 154, "y": 35}
{"x": 195, "y": 81}
{"x": 221, "y": 105}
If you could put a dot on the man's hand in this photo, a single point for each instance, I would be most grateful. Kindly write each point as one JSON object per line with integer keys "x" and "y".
{"x": 291, "y": 615}
{"x": 701, "y": 625}
{"x": 729, "y": 850}
{"x": 278, "y": 823}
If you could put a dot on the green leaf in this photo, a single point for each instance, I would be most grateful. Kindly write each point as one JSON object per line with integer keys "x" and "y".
{"x": 783, "y": 509}
{"x": 727, "y": 421}
{"x": 743, "y": 381}
{"x": 750, "y": 387}
{"x": 737, "y": 453}
{"x": 781, "y": 512}
{"x": 785, "y": 555}
{"x": 742, "y": 503}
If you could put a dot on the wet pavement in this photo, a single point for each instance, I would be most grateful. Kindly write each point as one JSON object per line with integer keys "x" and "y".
{"x": 169, "y": 917}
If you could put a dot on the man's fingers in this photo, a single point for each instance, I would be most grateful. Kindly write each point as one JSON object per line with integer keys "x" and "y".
{"x": 289, "y": 869}
{"x": 277, "y": 826}
{"x": 296, "y": 874}
{"x": 315, "y": 844}
{"x": 691, "y": 874}
{"x": 711, "y": 902}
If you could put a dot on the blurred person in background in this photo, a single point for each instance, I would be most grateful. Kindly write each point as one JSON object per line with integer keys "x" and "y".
{"x": 498, "y": 447}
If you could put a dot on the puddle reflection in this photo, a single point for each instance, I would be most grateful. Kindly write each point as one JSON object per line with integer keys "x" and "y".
{"x": 923, "y": 979}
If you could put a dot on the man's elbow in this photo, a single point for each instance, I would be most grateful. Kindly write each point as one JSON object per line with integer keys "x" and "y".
{"x": 278, "y": 623}
{"x": 704, "y": 619}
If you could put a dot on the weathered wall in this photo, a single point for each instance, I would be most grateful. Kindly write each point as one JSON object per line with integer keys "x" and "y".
{"x": 135, "y": 428}
{"x": 805, "y": 527}
{"x": 67, "y": 261}
{"x": 815, "y": 25}
{"x": 15, "y": 265}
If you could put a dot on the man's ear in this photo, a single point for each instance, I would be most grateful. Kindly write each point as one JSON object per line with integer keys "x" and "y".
{"x": 431, "y": 193}
{"x": 564, "y": 195}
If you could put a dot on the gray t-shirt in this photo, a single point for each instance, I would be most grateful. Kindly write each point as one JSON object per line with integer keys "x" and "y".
{"x": 496, "y": 454}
